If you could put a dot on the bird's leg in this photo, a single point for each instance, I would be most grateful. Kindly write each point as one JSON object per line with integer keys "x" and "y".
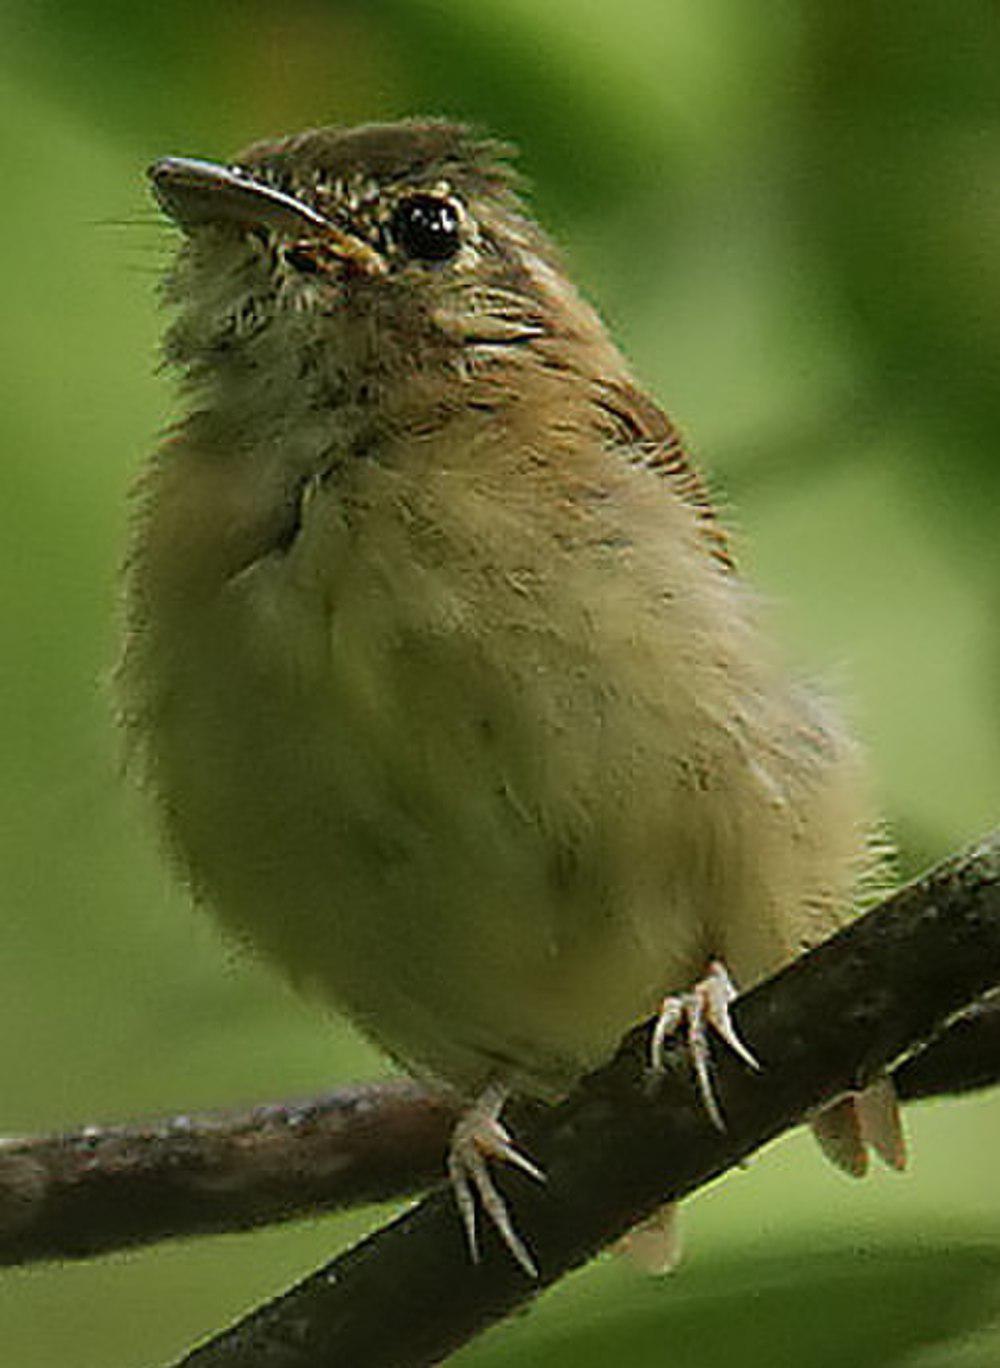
{"x": 704, "y": 1005}
{"x": 479, "y": 1137}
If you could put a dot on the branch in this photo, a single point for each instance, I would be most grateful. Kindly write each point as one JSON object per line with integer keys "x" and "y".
{"x": 105, "y": 1188}
{"x": 964, "y": 1057}
{"x": 618, "y": 1147}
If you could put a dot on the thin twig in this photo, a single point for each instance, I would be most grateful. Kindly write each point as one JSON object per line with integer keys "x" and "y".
{"x": 99, "y": 1189}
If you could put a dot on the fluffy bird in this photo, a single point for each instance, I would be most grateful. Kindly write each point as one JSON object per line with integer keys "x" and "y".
{"x": 437, "y": 662}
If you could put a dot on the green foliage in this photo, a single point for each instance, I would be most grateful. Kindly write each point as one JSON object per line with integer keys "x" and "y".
{"x": 791, "y": 215}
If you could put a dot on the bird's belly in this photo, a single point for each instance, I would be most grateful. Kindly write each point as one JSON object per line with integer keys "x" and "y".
{"x": 433, "y": 847}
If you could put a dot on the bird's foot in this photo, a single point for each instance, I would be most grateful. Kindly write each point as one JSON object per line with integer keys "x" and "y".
{"x": 706, "y": 1004}
{"x": 478, "y": 1138}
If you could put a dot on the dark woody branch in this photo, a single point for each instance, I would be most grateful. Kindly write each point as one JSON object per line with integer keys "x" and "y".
{"x": 106, "y": 1188}
{"x": 613, "y": 1152}
{"x": 619, "y": 1147}
{"x": 964, "y": 1057}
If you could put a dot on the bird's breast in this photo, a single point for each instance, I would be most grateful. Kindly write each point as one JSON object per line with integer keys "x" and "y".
{"x": 457, "y": 772}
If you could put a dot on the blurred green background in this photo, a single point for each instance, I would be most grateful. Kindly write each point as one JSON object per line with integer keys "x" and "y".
{"x": 790, "y": 215}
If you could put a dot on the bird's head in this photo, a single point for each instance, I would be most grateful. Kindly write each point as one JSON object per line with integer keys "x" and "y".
{"x": 348, "y": 264}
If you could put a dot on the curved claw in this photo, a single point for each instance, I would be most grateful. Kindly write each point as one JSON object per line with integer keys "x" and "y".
{"x": 706, "y": 1004}
{"x": 477, "y": 1138}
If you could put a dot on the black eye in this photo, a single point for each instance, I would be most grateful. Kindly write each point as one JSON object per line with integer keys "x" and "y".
{"x": 426, "y": 227}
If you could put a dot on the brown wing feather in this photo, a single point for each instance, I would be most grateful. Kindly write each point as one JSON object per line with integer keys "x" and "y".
{"x": 638, "y": 425}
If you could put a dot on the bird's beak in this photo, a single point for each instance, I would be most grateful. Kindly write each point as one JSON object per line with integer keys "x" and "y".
{"x": 195, "y": 193}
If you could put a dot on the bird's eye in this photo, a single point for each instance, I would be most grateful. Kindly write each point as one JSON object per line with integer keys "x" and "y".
{"x": 426, "y": 227}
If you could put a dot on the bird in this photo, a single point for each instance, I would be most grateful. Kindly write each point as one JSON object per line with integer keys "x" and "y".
{"x": 437, "y": 664}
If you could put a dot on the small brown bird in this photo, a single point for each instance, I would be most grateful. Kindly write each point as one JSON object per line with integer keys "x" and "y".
{"x": 437, "y": 661}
